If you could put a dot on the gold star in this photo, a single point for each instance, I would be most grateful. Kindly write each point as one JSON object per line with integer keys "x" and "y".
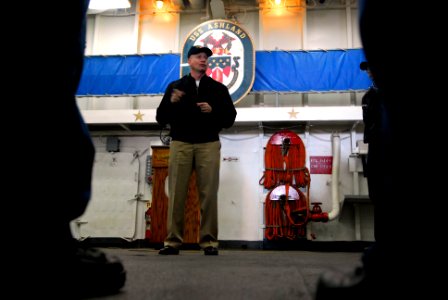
{"x": 293, "y": 114}
{"x": 139, "y": 116}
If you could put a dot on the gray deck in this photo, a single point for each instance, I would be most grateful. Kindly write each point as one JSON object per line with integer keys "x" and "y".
{"x": 234, "y": 274}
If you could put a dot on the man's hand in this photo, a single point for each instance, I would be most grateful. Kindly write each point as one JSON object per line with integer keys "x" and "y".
{"x": 176, "y": 95}
{"x": 205, "y": 107}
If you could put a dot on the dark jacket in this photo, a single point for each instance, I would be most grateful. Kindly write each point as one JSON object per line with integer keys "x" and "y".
{"x": 371, "y": 114}
{"x": 187, "y": 122}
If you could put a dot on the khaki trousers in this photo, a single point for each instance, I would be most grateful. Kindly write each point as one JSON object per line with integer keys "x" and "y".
{"x": 205, "y": 159}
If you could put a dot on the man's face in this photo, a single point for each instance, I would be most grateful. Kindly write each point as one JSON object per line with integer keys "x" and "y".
{"x": 198, "y": 62}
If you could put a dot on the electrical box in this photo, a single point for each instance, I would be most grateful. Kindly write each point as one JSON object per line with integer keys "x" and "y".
{"x": 362, "y": 147}
{"x": 355, "y": 163}
{"x": 112, "y": 144}
{"x": 148, "y": 171}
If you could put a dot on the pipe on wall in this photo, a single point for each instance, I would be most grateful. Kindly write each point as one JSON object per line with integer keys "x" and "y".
{"x": 336, "y": 149}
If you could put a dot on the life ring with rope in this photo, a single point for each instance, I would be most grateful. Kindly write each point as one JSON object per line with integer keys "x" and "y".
{"x": 284, "y": 161}
{"x": 286, "y": 213}
{"x": 286, "y": 206}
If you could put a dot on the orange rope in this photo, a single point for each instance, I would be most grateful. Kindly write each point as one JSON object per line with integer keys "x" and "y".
{"x": 278, "y": 168}
{"x": 286, "y": 218}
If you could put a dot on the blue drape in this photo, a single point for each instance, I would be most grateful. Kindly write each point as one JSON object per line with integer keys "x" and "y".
{"x": 275, "y": 71}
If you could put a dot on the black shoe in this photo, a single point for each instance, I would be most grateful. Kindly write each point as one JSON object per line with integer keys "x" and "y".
{"x": 96, "y": 274}
{"x": 72, "y": 272}
{"x": 345, "y": 285}
{"x": 211, "y": 251}
{"x": 167, "y": 250}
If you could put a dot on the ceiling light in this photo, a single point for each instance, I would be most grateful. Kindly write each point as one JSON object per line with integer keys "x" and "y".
{"x": 108, "y": 4}
{"x": 159, "y": 4}
{"x": 276, "y": 3}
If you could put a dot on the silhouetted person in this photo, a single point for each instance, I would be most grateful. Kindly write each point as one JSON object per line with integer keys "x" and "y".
{"x": 51, "y": 157}
{"x": 399, "y": 263}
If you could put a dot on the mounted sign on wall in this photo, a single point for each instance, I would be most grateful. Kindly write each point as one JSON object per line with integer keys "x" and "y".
{"x": 321, "y": 164}
{"x": 233, "y": 59}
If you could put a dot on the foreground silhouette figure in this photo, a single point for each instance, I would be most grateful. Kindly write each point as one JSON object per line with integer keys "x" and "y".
{"x": 49, "y": 177}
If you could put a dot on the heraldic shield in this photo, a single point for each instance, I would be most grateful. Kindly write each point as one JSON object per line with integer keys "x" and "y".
{"x": 233, "y": 59}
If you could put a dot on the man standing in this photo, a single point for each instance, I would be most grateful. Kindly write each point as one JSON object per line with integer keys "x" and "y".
{"x": 197, "y": 108}
{"x": 371, "y": 115}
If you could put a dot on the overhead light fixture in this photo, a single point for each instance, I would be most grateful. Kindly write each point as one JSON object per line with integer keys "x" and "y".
{"x": 277, "y": 3}
{"x": 109, "y": 4}
{"x": 159, "y": 4}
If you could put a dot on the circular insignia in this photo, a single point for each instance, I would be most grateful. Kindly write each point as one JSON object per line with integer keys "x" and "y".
{"x": 233, "y": 59}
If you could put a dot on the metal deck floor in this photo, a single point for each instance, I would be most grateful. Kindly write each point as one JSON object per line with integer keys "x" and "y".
{"x": 233, "y": 274}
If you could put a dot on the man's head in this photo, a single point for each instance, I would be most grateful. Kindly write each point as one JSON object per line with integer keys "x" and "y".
{"x": 364, "y": 66}
{"x": 198, "y": 60}
{"x": 199, "y": 49}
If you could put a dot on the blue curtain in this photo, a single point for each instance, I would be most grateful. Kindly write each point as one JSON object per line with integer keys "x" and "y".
{"x": 275, "y": 71}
